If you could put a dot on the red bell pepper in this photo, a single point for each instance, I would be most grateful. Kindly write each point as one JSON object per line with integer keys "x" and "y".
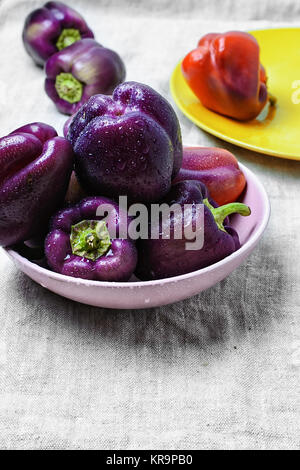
{"x": 225, "y": 73}
{"x": 217, "y": 168}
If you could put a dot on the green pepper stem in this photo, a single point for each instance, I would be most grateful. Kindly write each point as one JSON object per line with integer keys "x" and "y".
{"x": 68, "y": 87}
{"x": 220, "y": 213}
{"x": 90, "y": 239}
{"x": 67, "y": 37}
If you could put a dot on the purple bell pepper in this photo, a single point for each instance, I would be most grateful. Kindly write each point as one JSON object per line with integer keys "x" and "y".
{"x": 128, "y": 144}
{"x": 161, "y": 258}
{"x": 35, "y": 168}
{"x": 80, "y": 71}
{"x": 80, "y": 245}
{"x": 51, "y": 28}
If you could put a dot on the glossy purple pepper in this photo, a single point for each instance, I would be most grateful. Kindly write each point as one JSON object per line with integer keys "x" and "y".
{"x": 128, "y": 144}
{"x": 80, "y": 243}
{"x": 80, "y": 71}
{"x": 35, "y": 168}
{"x": 51, "y": 28}
{"x": 161, "y": 258}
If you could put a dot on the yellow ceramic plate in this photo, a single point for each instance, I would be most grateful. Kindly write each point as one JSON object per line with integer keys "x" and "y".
{"x": 277, "y": 130}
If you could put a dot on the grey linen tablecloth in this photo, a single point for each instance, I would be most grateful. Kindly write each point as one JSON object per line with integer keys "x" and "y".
{"x": 217, "y": 371}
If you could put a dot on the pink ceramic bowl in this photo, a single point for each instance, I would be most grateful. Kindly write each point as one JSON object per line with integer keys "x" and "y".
{"x": 137, "y": 295}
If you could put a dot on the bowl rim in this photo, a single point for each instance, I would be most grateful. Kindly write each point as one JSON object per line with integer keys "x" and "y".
{"x": 138, "y": 284}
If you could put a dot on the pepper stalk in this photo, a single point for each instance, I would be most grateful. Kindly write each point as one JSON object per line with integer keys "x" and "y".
{"x": 220, "y": 213}
{"x": 90, "y": 239}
